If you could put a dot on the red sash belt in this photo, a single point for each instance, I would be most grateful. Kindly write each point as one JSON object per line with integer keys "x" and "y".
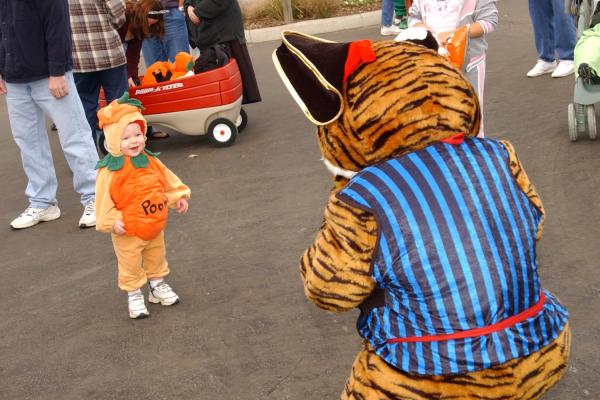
{"x": 476, "y": 332}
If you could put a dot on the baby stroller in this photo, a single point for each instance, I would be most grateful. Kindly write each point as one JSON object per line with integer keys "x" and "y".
{"x": 581, "y": 113}
{"x": 208, "y": 103}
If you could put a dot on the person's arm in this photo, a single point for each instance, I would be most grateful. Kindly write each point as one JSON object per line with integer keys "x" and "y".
{"x": 2, "y": 56}
{"x": 415, "y": 19}
{"x": 188, "y": 11}
{"x": 207, "y": 9}
{"x": 524, "y": 183}
{"x": 116, "y": 10}
{"x": 106, "y": 211}
{"x": 336, "y": 268}
{"x": 2, "y": 61}
{"x": 134, "y": 48}
{"x": 486, "y": 18}
{"x": 54, "y": 16}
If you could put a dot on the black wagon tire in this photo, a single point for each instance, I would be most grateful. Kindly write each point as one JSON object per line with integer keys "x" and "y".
{"x": 222, "y": 132}
{"x": 242, "y": 120}
{"x": 102, "y": 144}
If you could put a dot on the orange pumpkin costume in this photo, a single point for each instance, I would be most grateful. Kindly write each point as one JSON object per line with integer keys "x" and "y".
{"x": 184, "y": 63}
{"x": 137, "y": 190}
{"x": 160, "y": 71}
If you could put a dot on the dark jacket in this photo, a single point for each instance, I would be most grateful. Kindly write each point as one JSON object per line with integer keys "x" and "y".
{"x": 35, "y": 39}
{"x": 220, "y": 21}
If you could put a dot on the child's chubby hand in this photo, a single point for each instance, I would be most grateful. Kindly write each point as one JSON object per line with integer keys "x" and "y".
{"x": 119, "y": 227}
{"x": 444, "y": 37}
{"x": 182, "y": 206}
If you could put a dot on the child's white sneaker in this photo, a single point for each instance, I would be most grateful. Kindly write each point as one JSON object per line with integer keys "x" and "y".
{"x": 88, "y": 218}
{"x": 32, "y": 216}
{"x": 542, "y": 67}
{"x": 163, "y": 294}
{"x": 137, "y": 307}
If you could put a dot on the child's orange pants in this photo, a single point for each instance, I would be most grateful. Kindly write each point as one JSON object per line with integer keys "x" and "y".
{"x": 139, "y": 260}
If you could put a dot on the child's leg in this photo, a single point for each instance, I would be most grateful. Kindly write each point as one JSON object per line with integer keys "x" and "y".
{"x": 155, "y": 262}
{"x": 129, "y": 258}
{"x": 156, "y": 267}
{"x": 476, "y": 77}
{"x": 399, "y": 8}
{"x": 131, "y": 275}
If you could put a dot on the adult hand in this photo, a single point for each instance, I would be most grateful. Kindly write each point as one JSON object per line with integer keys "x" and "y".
{"x": 2, "y": 86}
{"x": 58, "y": 86}
{"x": 192, "y": 15}
{"x": 182, "y": 205}
{"x": 130, "y": 82}
{"x": 119, "y": 227}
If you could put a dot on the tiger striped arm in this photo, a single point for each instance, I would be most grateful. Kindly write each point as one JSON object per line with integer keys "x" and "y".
{"x": 523, "y": 181}
{"x": 336, "y": 268}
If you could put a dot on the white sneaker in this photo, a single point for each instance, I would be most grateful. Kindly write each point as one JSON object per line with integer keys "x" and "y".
{"x": 390, "y": 30}
{"x": 542, "y": 67}
{"x": 565, "y": 67}
{"x": 163, "y": 294}
{"x": 88, "y": 219}
{"x": 137, "y": 307}
{"x": 32, "y": 216}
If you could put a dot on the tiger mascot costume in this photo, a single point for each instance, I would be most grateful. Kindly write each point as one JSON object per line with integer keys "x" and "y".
{"x": 428, "y": 230}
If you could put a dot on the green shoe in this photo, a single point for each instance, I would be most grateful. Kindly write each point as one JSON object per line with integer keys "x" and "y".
{"x": 403, "y": 23}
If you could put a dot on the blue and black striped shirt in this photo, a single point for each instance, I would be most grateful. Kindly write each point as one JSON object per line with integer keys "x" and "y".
{"x": 455, "y": 252}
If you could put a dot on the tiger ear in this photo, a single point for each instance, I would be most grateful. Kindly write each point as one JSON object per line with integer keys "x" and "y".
{"x": 419, "y": 35}
{"x": 313, "y": 70}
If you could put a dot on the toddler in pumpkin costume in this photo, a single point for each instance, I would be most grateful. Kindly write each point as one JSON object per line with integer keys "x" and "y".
{"x": 133, "y": 193}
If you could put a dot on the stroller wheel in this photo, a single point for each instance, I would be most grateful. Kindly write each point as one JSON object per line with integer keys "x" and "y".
{"x": 222, "y": 132}
{"x": 590, "y": 113}
{"x": 242, "y": 120}
{"x": 572, "y": 122}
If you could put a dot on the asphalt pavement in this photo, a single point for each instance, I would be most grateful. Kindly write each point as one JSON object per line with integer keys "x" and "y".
{"x": 243, "y": 329}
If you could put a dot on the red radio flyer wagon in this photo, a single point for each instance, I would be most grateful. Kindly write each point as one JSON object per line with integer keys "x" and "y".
{"x": 209, "y": 103}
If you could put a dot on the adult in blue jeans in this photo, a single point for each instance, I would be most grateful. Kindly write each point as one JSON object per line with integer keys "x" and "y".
{"x": 555, "y": 38}
{"x": 175, "y": 38}
{"x": 387, "y": 19}
{"x": 36, "y": 77}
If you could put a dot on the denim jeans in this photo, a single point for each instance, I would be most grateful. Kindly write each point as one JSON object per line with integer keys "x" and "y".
{"x": 553, "y": 29}
{"x": 27, "y": 103}
{"x": 174, "y": 41}
{"x": 114, "y": 82}
{"x": 387, "y": 12}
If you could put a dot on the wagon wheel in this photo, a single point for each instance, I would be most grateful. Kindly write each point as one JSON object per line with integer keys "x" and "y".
{"x": 102, "y": 144}
{"x": 222, "y": 132}
{"x": 242, "y": 120}
{"x": 590, "y": 114}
